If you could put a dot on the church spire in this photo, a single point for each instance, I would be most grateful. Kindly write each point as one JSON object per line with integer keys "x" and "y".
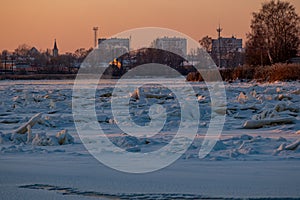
{"x": 55, "y": 46}
{"x": 55, "y": 49}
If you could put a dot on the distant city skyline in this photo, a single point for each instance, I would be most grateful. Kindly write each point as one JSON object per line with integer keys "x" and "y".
{"x": 37, "y": 23}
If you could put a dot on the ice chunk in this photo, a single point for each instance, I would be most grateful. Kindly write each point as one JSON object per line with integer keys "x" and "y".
{"x": 201, "y": 97}
{"x": 293, "y": 146}
{"x": 33, "y": 120}
{"x": 125, "y": 141}
{"x": 29, "y": 137}
{"x": 40, "y": 139}
{"x": 242, "y": 97}
{"x": 136, "y": 94}
{"x": 272, "y": 90}
{"x": 253, "y": 93}
{"x": 260, "y": 123}
{"x": 281, "y": 147}
{"x": 281, "y": 97}
{"x": 278, "y": 89}
{"x": 52, "y": 104}
{"x": 61, "y": 138}
{"x": 265, "y": 114}
{"x": 64, "y": 137}
{"x": 297, "y": 92}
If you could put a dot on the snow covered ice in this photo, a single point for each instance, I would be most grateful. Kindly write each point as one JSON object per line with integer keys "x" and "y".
{"x": 257, "y": 155}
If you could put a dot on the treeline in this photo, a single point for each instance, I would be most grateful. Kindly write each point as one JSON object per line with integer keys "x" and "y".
{"x": 26, "y": 59}
{"x": 132, "y": 59}
{"x": 272, "y": 73}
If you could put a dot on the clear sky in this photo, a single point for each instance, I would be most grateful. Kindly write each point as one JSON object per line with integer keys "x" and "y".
{"x": 39, "y": 22}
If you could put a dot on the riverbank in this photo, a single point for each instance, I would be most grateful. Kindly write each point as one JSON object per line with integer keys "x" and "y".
{"x": 276, "y": 72}
{"x": 37, "y": 76}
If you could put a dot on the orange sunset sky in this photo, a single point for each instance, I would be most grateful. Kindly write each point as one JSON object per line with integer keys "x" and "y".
{"x": 38, "y": 22}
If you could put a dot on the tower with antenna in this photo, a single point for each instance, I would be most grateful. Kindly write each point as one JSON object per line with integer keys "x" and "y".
{"x": 95, "y": 29}
{"x": 219, "y": 30}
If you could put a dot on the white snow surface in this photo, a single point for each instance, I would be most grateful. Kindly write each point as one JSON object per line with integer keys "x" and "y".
{"x": 50, "y": 162}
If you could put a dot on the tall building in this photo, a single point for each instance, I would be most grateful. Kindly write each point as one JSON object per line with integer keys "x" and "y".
{"x": 114, "y": 47}
{"x": 227, "y": 45}
{"x": 114, "y": 43}
{"x": 227, "y": 52}
{"x": 173, "y": 44}
{"x": 55, "y": 49}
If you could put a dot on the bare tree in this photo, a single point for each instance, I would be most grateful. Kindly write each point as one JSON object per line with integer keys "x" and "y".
{"x": 4, "y": 54}
{"x": 206, "y": 43}
{"x": 23, "y": 50}
{"x": 82, "y": 53}
{"x": 274, "y": 35}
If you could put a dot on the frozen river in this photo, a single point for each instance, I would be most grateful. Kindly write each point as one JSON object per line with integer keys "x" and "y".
{"x": 257, "y": 154}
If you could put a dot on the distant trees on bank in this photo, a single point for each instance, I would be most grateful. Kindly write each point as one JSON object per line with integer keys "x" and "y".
{"x": 27, "y": 59}
{"x": 132, "y": 59}
{"x": 275, "y": 34}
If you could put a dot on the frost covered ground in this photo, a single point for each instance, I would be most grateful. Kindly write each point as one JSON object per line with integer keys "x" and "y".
{"x": 258, "y": 154}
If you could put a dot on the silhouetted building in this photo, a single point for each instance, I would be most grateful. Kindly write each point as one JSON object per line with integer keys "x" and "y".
{"x": 227, "y": 52}
{"x": 173, "y": 44}
{"x": 113, "y": 47}
{"x": 227, "y": 45}
{"x": 55, "y": 49}
{"x": 115, "y": 43}
{"x": 34, "y": 51}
